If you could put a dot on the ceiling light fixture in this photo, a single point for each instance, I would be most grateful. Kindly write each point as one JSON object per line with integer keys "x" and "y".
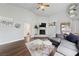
{"x": 72, "y": 10}
{"x": 42, "y": 6}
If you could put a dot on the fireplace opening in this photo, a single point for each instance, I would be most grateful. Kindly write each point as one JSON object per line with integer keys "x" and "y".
{"x": 42, "y": 32}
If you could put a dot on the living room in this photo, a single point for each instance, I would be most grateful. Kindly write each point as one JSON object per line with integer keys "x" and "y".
{"x": 30, "y": 21}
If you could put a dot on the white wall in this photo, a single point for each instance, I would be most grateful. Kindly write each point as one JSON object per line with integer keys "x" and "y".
{"x": 75, "y": 24}
{"x": 19, "y": 15}
{"x": 59, "y": 18}
{"x": 62, "y": 17}
{"x": 50, "y": 30}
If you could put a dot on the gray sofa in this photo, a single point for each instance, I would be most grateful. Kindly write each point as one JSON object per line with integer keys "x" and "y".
{"x": 66, "y": 48}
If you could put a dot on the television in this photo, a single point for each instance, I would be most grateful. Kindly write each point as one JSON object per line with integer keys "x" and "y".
{"x": 42, "y": 25}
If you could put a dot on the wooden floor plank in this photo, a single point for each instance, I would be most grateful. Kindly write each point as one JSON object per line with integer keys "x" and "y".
{"x": 17, "y": 48}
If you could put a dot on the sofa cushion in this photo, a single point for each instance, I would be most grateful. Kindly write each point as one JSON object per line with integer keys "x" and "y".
{"x": 60, "y": 36}
{"x": 66, "y": 51}
{"x": 69, "y": 46}
{"x": 67, "y": 42}
{"x": 73, "y": 38}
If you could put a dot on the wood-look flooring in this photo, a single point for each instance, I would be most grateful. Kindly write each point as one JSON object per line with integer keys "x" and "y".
{"x": 17, "y": 48}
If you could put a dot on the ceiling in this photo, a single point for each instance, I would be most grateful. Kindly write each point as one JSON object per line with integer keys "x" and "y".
{"x": 53, "y": 9}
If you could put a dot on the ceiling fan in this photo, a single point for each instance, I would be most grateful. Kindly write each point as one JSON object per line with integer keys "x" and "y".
{"x": 42, "y": 6}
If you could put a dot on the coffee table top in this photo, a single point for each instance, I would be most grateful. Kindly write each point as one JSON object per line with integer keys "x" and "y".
{"x": 40, "y": 48}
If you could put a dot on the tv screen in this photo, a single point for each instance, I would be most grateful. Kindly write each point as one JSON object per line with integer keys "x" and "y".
{"x": 43, "y": 25}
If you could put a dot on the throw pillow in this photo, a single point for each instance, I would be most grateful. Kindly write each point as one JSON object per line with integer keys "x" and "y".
{"x": 73, "y": 38}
